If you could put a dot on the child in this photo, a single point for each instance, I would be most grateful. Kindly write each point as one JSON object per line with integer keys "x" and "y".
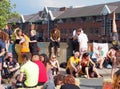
{"x": 55, "y": 64}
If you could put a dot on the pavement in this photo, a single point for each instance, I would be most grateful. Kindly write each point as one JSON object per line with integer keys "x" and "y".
{"x": 94, "y": 83}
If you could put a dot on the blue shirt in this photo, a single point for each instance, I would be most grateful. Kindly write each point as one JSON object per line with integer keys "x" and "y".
{"x": 2, "y": 46}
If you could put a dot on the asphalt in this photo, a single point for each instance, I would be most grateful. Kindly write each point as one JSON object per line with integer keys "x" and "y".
{"x": 94, "y": 83}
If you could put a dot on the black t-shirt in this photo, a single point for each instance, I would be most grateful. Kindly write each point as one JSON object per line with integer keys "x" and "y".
{"x": 33, "y": 45}
{"x": 69, "y": 86}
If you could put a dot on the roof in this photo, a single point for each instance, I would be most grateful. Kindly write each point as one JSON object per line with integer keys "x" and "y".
{"x": 55, "y": 14}
{"x": 31, "y": 18}
{"x": 89, "y": 10}
{"x": 15, "y": 19}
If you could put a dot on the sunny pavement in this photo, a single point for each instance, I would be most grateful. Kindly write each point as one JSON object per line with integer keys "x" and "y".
{"x": 93, "y": 83}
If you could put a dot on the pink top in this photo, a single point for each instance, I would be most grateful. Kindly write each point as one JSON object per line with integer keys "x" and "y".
{"x": 42, "y": 71}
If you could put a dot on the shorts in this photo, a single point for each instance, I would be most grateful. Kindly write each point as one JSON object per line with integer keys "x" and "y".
{"x": 90, "y": 69}
{"x": 115, "y": 39}
{"x": 68, "y": 71}
{"x": 54, "y": 44}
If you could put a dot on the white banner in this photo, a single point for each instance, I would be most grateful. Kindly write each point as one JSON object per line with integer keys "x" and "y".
{"x": 104, "y": 49}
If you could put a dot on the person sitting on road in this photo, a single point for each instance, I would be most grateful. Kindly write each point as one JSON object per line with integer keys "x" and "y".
{"x": 31, "y": 72}
{"x": 10, "y": 66}
{"x": 88, "y": 66}
{"x": 42, "y": 70}
{"x": 97, "y": 56}
{"x": 55, "y": 65}
{"x": 112, "y": 54}
{"x": 73, "y": 65}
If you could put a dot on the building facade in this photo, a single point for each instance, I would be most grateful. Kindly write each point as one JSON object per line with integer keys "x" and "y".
{"x": 96, "y": 21}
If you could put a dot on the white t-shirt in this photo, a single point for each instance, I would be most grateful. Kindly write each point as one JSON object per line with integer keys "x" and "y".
{"x": 83, "y": 40}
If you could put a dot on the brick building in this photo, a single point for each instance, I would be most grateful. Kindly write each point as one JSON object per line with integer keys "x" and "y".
{"x": 95, "y": 20}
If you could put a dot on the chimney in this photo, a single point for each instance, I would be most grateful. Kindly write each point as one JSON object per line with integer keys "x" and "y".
{"x": 63, "y": 8}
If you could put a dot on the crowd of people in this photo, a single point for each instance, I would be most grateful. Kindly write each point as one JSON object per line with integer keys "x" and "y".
{"x": 25, "y": 66}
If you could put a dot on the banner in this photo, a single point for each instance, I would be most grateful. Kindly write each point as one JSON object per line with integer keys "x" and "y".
{"x": 104, "y": 48}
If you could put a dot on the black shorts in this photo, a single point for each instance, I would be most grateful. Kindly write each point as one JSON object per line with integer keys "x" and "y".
{"x": 54, "y": 44}
{"x": 90, "y": 69}
{"x": 68, "y": 71}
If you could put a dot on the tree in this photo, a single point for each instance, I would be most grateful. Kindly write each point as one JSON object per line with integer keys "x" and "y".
{"x": 6, "y": 12}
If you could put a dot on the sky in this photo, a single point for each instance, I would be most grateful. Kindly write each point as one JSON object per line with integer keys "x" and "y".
{"x": 25, "y": 7}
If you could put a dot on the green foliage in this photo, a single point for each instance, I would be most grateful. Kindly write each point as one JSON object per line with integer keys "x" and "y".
{"x": 6, "y": 12}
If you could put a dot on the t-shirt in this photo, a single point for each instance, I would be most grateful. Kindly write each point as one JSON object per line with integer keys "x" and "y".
{"x": 42, "y": 71}
{"x": 73, "y": 60}
{"x": 25, "y": 44}
{"x": 31, "y": 71}
{"x": 83, "y": 39}
{"x": 2, "y": 45}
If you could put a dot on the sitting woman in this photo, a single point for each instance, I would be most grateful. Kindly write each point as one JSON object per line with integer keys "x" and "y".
{"x": 97, "y": 56}
{"x": 88, "y": 66}
{"x": 10, "y": 66}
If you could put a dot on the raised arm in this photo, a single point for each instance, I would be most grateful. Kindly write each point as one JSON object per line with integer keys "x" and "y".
{"x": 114, "y": 23}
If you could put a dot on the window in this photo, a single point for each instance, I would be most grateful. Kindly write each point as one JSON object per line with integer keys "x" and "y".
{"x": 64, "y": 20}
{"x": 69, "y": 20}
{"x": 96, "y": 31}
{"x": 60, "y": 21}
{"x": 89, "y": 19}
{"x": 99, "y": 18}
{"x": 73, "y": 19}
{"x": 118, "y": 16}
{"x": 91, "y": 30}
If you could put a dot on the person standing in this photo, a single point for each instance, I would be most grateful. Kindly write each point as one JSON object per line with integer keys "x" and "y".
{"x": 75, "y": 44}
{"x": 21, "y": 43}
{"x": 3, "y": 39}
{"x": 83, "y": 41}
{"x": 55, "y": 40}
{"x": 33, "y": 42}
